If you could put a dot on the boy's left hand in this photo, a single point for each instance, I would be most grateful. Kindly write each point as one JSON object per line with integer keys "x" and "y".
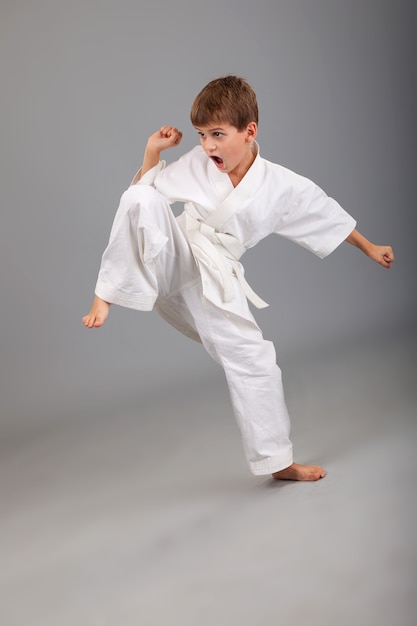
{"x": 382, "y": 255}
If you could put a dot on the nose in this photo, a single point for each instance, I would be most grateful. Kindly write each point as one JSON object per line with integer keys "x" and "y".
{"x": 210, "y": 145}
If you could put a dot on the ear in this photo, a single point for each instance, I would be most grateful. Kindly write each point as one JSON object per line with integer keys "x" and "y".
{"x": 251, "y": 131}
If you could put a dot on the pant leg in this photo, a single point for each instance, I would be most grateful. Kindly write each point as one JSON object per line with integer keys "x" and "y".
{"x": 254, "y": 381}
{"x": 147, "y": 254}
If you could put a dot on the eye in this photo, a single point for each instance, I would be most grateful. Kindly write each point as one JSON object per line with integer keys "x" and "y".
{"x": 200, "y": 133}
{"x": 217, "y": 134}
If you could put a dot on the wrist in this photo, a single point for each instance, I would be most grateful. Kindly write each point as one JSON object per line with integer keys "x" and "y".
{"x": 366, "y": 246}
{"x": 152, "y": 153}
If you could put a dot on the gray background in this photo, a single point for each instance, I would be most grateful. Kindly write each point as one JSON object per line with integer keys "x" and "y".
{"x": 83, "y": 86}
{"x": 124, "y": 495}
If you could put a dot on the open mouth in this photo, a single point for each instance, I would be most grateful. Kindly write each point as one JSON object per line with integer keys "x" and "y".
{"x": 218, "y": 161}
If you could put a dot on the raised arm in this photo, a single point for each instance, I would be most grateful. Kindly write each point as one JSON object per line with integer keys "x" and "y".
{"x": 380, "y": 254}
{"x": 165, "y": 137}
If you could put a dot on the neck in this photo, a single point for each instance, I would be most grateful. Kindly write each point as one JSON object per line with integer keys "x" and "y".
{"x": 237, "y": 175}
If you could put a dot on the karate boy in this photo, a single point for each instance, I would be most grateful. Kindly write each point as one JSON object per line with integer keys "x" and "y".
{"x": 188, "y": 270}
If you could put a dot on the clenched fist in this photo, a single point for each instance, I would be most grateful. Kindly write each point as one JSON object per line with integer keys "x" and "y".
{"x": 165, "y": 137}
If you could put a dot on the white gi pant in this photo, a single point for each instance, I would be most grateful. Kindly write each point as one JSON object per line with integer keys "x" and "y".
{"x": 148, "y": 264}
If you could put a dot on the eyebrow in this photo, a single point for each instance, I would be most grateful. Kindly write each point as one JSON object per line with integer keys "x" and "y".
{"x": 212, "y": 129}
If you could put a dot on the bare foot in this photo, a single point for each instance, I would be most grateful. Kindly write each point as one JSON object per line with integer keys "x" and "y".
{"x": 98, "y": 313}
{"x": 300, "y": 472}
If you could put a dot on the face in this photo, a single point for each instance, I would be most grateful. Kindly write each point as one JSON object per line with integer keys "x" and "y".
{"x": 228, "y": 148}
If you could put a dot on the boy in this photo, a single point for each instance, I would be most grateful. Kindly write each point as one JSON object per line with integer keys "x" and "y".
{"x": 188, "y": 269}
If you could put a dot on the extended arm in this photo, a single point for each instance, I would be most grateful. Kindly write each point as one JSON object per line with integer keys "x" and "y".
{"x": 380, "y": 254}
{"x": 165, "y": 137}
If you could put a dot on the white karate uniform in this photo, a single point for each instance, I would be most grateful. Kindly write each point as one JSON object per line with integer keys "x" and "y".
{"x": 188, "y": 270}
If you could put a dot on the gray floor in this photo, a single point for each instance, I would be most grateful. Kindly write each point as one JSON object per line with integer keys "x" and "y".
{"x": 148, "y": 514}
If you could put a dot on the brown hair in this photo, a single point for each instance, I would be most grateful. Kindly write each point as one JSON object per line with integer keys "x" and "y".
{"x": 228, "y": 99}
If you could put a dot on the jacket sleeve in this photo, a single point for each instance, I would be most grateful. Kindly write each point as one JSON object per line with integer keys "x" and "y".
{"x": 313, "y": 219}
{"x": 149, "y": 177}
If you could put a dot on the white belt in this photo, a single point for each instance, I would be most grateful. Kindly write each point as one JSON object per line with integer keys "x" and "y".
{"x": 224, "y": 251}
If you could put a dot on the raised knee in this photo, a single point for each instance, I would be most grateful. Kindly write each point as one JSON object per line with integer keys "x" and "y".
{"x": 141, "y": 194}
{"x": 143, "y": 202}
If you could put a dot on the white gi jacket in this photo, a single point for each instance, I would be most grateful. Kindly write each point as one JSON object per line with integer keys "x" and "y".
{"x": 221, "y": 221}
